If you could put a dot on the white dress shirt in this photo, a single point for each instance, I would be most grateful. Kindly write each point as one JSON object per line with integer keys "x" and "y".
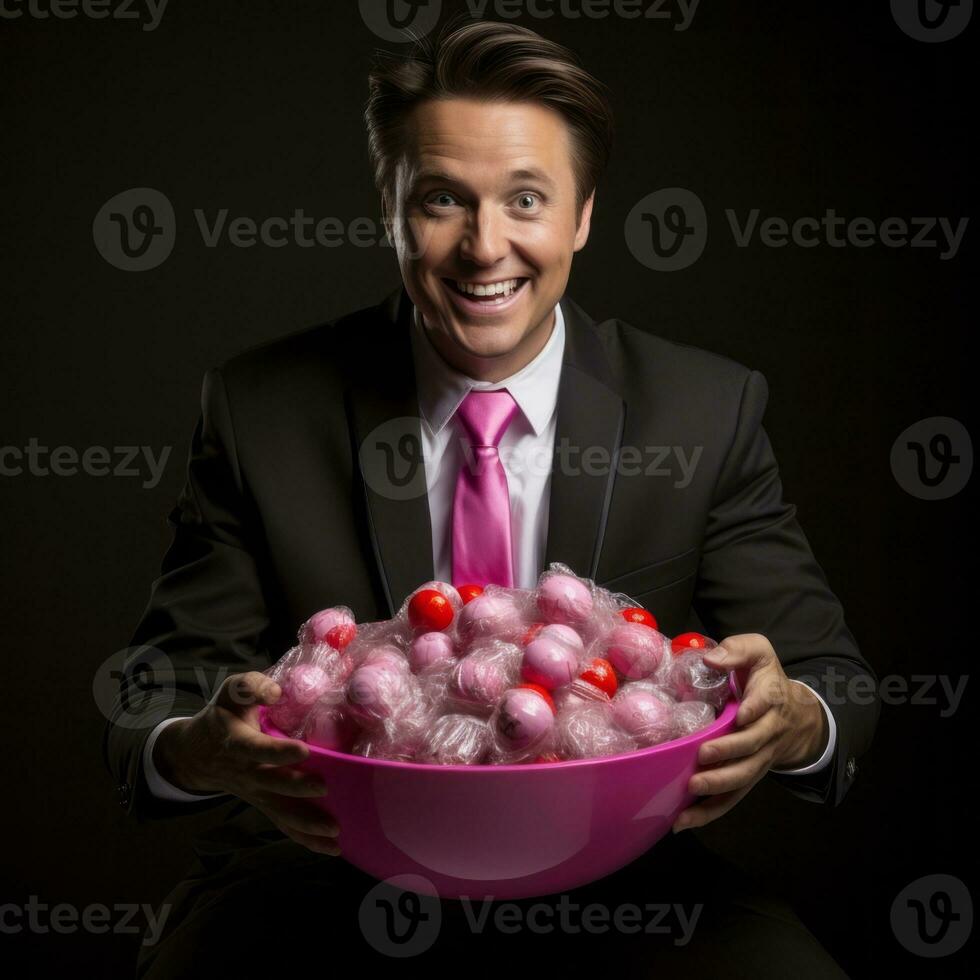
{"x": 526, "y": 451}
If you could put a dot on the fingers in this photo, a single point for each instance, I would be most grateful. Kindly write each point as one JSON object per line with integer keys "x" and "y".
{"x": 257, "y": 747}
{"x": 242, "y": 691}
{"x": 321, "y": 845}
{"x": 285, "y": 781}
{"x": 751, "y": 739}
{"x": 708, "y": 810}
{"x": 762, "y": 695}
{"x": 298, "y": 815}
{"x": 733, "y": 776}
{"x": 749, "y": 650}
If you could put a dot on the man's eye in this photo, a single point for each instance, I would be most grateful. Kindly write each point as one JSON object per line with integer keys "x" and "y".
{"x": 434, "y": 198}
{"x": 527, "y": 197}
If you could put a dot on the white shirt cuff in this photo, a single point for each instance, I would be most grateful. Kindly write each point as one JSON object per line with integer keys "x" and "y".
{"x": 828, "y": 752}
{"x": 159, "y": 786}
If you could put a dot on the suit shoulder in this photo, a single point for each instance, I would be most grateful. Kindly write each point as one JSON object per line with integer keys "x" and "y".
{"x": 638, "y": 354}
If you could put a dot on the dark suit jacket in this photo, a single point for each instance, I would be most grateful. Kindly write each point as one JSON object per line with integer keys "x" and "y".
{"x": 278, "y": 518}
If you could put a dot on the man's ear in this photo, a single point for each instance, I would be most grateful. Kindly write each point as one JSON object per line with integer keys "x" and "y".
{"x": 585, "y": 222}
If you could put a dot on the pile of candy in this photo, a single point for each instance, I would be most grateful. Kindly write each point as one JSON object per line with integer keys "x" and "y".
{"x": 494, "y": 676}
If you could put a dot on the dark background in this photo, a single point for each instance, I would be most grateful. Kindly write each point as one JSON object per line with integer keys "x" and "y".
{"x": 257, "y": 108}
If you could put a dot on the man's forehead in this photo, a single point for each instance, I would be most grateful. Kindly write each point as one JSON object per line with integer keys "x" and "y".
{"x": 513, "y": 141}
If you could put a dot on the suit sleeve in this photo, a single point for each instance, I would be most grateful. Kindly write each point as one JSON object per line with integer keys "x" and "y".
{"x": 758, "y": 575}
{"x": 207, "y": 613}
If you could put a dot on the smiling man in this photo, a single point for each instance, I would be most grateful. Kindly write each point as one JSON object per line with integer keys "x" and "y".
{"x": 488, "y": 145}
{"x": 488, "y": 215}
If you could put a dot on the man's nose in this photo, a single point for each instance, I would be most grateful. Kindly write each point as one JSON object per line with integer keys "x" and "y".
{"x": 484, "y": 241}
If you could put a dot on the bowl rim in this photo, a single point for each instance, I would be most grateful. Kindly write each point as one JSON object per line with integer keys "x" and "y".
{"x": 727, "y": 713}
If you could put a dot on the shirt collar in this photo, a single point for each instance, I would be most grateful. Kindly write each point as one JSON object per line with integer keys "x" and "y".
{"x": 441, "y": 387}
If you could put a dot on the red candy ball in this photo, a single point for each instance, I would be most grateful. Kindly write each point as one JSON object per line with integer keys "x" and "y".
{"x": 430, "y": 610}
{"x": 544, "y": 692}
{"x": 636, "y": 614}
{"x": 690, "y": 641}
{"x": 467, "y": 592}
{"x": 341, "y": 635}
{"x": 548, "y": 757}
{"x": 601, "y": 674}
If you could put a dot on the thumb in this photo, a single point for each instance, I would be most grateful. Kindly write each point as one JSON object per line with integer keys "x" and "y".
{"x": 240, "y": 692}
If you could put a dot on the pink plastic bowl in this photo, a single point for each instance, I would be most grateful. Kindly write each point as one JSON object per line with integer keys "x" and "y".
{"x": 507, "y": 832}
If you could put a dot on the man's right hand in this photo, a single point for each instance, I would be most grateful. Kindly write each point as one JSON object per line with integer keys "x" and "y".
{"x": 223, "y": 750}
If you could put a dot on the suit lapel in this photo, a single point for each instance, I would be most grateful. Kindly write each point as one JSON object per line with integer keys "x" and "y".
{"x": 386, "y": 433}
{"x": 591, "y": 416}
{"x": 387, "y": 442}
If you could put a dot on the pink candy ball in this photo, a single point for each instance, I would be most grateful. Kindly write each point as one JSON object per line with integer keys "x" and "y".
{"x": 522, "y": 719}
{"x": 643, "y": 715}
{"x": 316, "y": 628}
{"x": 489, "y": 615}
{"x": 480, "y": 679}
{"x": 304, "y": 684}
{"x": 549, "y": 660}
{"x": 430, "y": 648}
{"x": 635, "y": 650}
{"x": 564, "y": 599}
{"x": 378, "y": 690}
{"x": 386, "y": 653}
{"x": 301, "y": 686}
{"x": 330, "y": 726}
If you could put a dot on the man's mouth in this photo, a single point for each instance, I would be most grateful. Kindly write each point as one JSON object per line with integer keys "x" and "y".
{"x": 488, "y": 295}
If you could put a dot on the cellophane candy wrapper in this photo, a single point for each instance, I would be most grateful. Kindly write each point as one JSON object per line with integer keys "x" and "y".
{"x": 496, "y": 676}
{"x": 456, "y": 740}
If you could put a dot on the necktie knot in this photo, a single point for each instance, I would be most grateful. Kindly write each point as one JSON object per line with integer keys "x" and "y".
{"x": 485, "y": 416}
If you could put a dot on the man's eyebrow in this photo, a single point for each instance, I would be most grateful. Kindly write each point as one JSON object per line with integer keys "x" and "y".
{"x": 515, "y": 175}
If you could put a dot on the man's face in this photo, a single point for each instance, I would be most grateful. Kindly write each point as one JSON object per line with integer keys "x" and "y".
{"x": 487, "y": 195}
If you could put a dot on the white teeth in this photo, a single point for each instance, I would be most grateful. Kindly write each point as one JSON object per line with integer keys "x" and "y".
{"x": 503, "y": 288}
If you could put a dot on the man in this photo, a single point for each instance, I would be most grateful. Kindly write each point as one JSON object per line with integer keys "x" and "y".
{"x": 298, "y": 497}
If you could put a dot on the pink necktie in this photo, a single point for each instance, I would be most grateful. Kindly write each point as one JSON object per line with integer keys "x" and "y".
{"x": 481, "y": 506}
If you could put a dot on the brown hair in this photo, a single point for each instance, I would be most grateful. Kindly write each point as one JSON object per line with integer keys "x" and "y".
{"x": 492, "y": 61}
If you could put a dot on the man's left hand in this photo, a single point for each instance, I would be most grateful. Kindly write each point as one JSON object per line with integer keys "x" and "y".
{"x": 781, "y": 725}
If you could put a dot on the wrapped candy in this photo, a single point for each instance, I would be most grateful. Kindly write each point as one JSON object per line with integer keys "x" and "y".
{"x": 637, "y": 614}
{"x": 330, "y": 725}
{"x": 639, "y": 712}
{"x": 303, "y": 677}
{"x": 334, "y": 626}
{"x": 564, "y": 598}
{"x": 456, "y": 740}
{"x": 430, "y": 648}
{"x": 522, "y": 723}
{"x": 430, "y": 610}
{"x": 474, "y": 675}
{"x": 586, "y": 729}
{"x": 496, "y": 613}
{"x": 596, "y": 682}
{"x": 689, "y": 678}
{"x": 691, "y": 641}
{"x": 381, "y": 688}
{"x": 481, "y": 677}
{"x": 692, "y": 716}
{"x": 469, "y": 591}
{"x": 635, "y": 650}
{"x": 552, "y": 656}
